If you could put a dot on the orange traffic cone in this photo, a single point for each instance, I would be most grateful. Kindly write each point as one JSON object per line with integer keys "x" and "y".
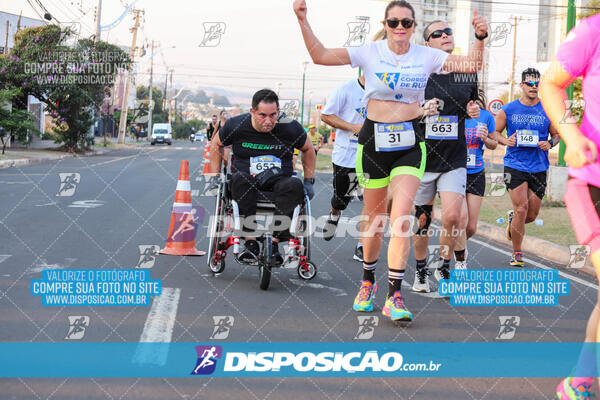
{"x": 206, "y": 167}
{"x": 181, "y": 240}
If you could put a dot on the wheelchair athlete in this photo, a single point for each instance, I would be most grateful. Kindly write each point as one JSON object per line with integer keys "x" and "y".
{"x": 262, "y": 147}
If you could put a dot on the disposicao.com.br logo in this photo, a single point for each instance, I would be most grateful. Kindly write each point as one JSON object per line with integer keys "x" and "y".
{"x": 297, "y": 364}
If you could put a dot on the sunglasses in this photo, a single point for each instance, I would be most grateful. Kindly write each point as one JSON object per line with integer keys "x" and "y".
{"x": 438, "y": 33}
{"x": 532, "y": 83}
{"x": 393, "y": 23}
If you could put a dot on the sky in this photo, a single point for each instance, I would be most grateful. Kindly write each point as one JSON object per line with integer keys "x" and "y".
{"x": 261, "y": 45}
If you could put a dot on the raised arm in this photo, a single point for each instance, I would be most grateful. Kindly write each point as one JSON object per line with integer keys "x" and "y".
{"x": 555, "y": 102}
{"x": 472, "y": 62}
{"x": 319, "y": 53}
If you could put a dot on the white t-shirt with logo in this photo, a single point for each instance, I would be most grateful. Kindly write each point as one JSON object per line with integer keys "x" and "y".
{"x": 396, "y": 77}
{"x": 346, "y": 102}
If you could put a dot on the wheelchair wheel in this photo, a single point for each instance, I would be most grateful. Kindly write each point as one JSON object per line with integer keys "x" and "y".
{"x": 217, "y": 266}
{"x": 308, "y": 271}
{"x": 216, "y": 228}
{"x": 305, "y": 230}
{"x": 264, "y": 266}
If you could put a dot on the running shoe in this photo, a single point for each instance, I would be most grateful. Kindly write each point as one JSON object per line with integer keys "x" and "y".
{"x": 460, "y": 265}
{"x": 250, "y": 253}
{"x": 579, "y": 390}
{"x": 509, "y": 218}
{"x": 330, "y": 227}
{"x": 442, "y": 272}
{"x": 358, "y": 253}
{"x": 395, "y": 308}
{"x": 517, "y": 259}
{"x": 421, "y": 283}
{"x": 364, "y": 299}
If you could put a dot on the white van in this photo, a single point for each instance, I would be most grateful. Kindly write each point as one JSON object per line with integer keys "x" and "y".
{"x": 161, "y": 133}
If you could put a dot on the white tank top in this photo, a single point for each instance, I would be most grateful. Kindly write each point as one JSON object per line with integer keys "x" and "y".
{"x": 396, "y": 77}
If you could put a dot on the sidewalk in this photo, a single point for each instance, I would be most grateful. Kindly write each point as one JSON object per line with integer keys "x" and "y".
{"x": 39, "y": 151}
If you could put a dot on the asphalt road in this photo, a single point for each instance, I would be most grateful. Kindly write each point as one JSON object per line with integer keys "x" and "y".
{"x": 123, "y": 199}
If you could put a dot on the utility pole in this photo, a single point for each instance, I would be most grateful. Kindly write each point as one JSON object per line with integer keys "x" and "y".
{"x": 570, "y": 25}
{"x": 124, "y": 103}
{"x": 150, "y": 107}
{"x": 6, "y": 39}
{"x": 98, "y": 15}
{"x": 164, "y": 108}
{"x": 304, "y": 64}
{"x": 514, "y": 59}
{"x": 309, "y": 106}
{"x": 170, "y": 100}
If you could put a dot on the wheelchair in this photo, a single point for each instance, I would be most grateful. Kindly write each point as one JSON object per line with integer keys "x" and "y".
{"x": 226, "y": 222}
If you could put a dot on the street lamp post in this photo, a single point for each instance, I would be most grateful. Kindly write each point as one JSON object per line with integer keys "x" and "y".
{"x": 304, "y": 64}
{"x": 571, "y": 19}
{"x": 309, "y": 106}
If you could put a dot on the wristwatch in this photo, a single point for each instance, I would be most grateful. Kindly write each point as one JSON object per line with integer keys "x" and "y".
{"x": 309, "y": 180}
{"x": 480, "y": 37}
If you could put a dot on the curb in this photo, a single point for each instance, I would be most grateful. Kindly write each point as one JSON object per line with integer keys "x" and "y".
{"x": 531, "y": 244}
{"x": 21, "y": 162}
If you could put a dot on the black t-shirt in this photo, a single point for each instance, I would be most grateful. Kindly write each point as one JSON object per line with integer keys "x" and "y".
{"x": 456, "y": 90}
{"x": 210, "y": 130}
{"x": 247, "y": 143}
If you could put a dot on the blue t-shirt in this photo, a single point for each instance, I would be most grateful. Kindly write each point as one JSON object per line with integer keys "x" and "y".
{"x": 532, "y": 126}
{"x": 475, "y": 144}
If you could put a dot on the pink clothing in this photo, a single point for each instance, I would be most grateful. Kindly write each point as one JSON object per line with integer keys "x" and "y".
{"x": 579, "y": 55}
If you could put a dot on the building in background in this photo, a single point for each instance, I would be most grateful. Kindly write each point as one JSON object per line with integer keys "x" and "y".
{"x": 10, "y": 24}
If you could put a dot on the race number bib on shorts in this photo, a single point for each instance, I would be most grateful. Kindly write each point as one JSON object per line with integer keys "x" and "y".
{"x": 471, "y": 158}
{"x": 394, "y": 137}
{"x": 441, "y": 127}
{"x": 262, "y": 163}
{"x": 527, "y": 138}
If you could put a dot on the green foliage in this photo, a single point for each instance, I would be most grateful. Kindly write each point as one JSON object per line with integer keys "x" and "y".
{"x": 197, "y": 124}
{"x": 73, "y": 80}
{"x": 15, "y": 121}
{"x": 182, "y": 130}
{"x": 592, "y": 8}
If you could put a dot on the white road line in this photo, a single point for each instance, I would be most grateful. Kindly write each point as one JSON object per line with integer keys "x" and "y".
{"x": 532, "y": 262}
{"x": 44, "y": 265}
{"x": 158, "y": 328}
{"x": 539, "y": 265}
{"x": 122, "y": 158}
{"x": 336, "y": 291}
{"x": 3, "y": 257}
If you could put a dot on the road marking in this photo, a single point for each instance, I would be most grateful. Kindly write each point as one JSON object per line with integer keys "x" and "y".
{"x": 195, "y": 193}
{"x": 4, "y": 257}
{"x": 121, "y": 158}
{"x": 539, "y": 265}
{"x": 158, "y": 328}
{"x": 532, "y": 262}
{"x": 46, "y": 204}
{"x": 338, "y": 292}
{"x": 44, "y": 265}
{"x": 86, "y": 204}
{"x": 16, "y": 183}
{"x": 433, "y": 294}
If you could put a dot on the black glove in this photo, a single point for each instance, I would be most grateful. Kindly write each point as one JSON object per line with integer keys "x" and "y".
{"x": 308, "y": 187}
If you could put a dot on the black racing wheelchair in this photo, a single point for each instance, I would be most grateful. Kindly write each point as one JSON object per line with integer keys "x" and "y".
{"x": 226, "y": 223}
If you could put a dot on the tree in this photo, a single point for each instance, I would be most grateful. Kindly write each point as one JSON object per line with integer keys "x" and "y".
{"x": 14, "y": 121}
{"x": 72, "y": 80}
{"x": 592, "y": 7}
{"x": 197, "y": 124}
